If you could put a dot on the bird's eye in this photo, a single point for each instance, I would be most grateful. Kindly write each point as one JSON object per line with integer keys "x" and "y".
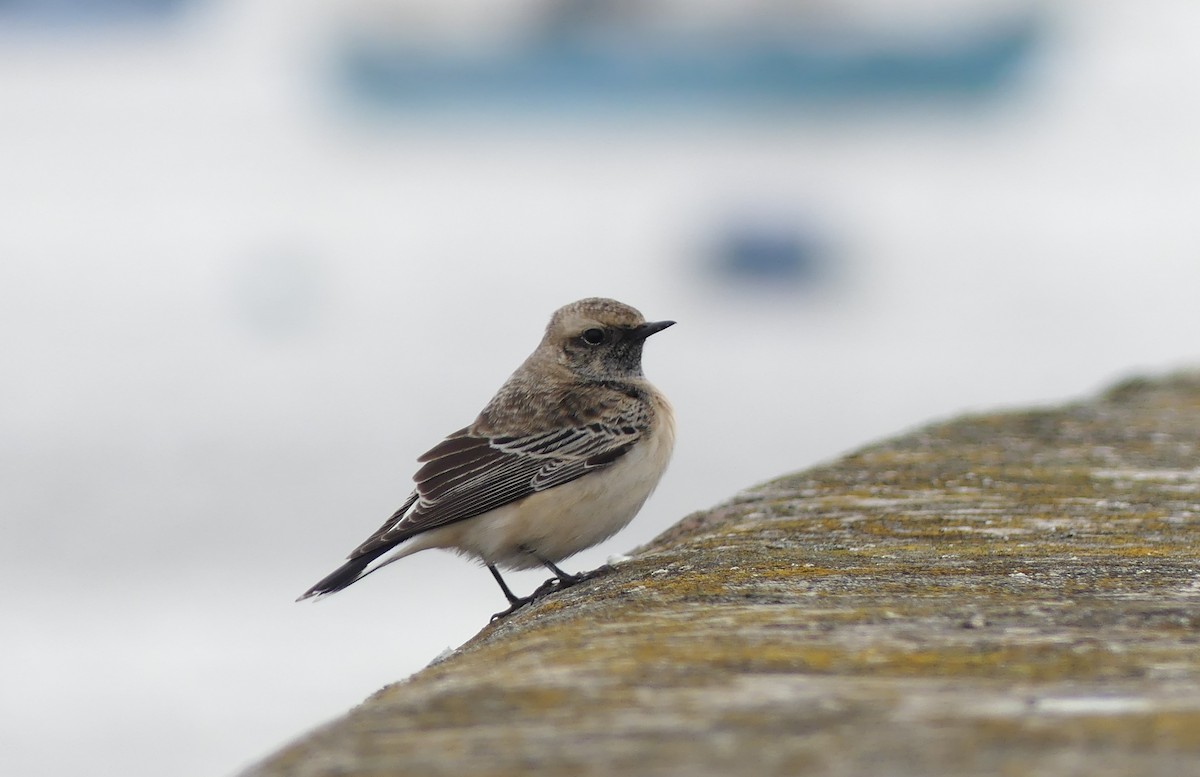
{"x": 593, "y": 336}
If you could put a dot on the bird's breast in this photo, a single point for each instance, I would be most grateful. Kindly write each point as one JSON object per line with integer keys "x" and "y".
{"x": 566, "y": 519}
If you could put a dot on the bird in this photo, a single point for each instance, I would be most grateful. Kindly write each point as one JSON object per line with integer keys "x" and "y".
{"x": 562, "y": 458}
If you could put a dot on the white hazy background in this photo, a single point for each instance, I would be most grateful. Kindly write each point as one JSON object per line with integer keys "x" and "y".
{"x": 231, "y": 318}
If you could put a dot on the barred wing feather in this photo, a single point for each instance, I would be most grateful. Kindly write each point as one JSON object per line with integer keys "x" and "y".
{"x": 467, "y": 475}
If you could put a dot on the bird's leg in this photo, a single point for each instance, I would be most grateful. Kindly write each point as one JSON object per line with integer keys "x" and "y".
{"x": 560, "y": 581}
{"x": 515, "y": 602}
{"x": 565, "y": 578}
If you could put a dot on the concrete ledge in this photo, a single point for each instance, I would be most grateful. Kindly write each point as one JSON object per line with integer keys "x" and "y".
{"x": 1014, "y": 594}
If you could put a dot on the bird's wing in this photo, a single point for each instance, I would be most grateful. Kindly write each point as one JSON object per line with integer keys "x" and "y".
{"x": 468, "y": 474}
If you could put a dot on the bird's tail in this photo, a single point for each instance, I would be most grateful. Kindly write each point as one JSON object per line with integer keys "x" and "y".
{"x": 341, "y": 577}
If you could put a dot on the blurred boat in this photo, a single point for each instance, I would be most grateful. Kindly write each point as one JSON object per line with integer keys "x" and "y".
{"x": 85, "y": 13}
{"x": 779, "y": 254}
{"x": 608, "y": 53}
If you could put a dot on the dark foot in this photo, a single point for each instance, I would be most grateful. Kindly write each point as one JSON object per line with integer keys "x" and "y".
{"x": 548, "y": 587}
{"x": 514, "y": 605}
{"x": 559, "y": 582}
{"x": 514, "y": 602}
{"x": 599, "y": 571}
{"x": 543, "y": 590}
{"x": 565, "y": 580}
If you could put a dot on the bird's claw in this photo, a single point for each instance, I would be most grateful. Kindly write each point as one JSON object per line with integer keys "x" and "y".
{"x": 514, "y": 605}
{"x": 562, "y": 582}
{"x": 553, "y": 585}
{"x": 599, "y": 571}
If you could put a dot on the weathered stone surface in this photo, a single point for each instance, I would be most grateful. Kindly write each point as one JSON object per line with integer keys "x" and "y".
{"x": 1010, "y": 594}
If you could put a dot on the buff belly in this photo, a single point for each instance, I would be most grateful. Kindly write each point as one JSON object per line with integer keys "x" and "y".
{"x": 561, "y": 521}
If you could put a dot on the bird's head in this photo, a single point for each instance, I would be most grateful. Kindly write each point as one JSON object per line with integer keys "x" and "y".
{"x": 600, "y": 339}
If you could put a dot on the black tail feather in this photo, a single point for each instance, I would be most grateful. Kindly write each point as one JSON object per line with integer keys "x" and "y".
{"x": 343, "y": 576}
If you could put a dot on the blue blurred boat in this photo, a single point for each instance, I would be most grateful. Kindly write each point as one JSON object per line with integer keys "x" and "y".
{"x": 773, "y": 254}
{"x": 85, "y": 13}
{"x": 582, "y": 56}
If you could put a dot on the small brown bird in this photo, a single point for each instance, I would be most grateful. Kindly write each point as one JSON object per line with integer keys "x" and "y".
{"x": 561, "y": 458}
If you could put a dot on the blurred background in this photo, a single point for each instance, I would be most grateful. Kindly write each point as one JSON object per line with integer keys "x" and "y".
{"x": 257, "y": 256}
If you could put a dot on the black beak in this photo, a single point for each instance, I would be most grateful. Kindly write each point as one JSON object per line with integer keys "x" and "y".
{"x": 649, "y": 328}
